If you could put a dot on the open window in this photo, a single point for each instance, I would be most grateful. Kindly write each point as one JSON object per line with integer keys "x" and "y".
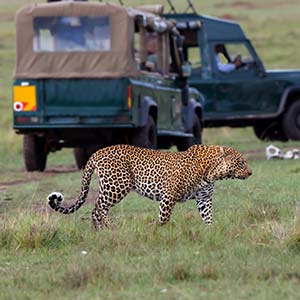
{"x": 69, "y": 33}
{"x": 155, "y": 46}
{"x": 146, "y": 50}
{"x": 192, "y": 51}
{"x": 230, "y": 57}
{"x": 194, "y": 58}
{"x": 152, "y": 51}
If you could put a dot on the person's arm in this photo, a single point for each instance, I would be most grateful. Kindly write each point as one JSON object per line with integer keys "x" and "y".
{"x": 224, "y": 67}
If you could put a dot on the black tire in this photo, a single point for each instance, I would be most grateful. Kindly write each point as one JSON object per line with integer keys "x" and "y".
{"x": 82, "y": 155}
{"x": 164, "y": 142}
{"x": 34, "y": 152}
{"x": 145, "y": 136}
{"x": 184, "y": 143}
{"x": 291, "y": 121}
{"x": 259, "y": 131}
{"x": 271, "y": 131}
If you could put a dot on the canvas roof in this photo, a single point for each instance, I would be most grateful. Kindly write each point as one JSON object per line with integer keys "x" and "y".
{"x": 117, "y": 62}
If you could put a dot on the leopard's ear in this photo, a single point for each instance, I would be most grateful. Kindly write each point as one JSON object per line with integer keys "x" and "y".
{"x": 227, "y": 151}
{"x": 224, "y": 151}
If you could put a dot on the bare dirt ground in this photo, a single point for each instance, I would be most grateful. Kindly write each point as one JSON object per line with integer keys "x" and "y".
{"x": 37, "y": 176}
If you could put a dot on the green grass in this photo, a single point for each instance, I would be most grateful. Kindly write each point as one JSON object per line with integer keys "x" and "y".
{"x": 250, "y": 252}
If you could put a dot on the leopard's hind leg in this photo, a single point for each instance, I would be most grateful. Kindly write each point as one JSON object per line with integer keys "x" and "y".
{"x": 108, "y": 196}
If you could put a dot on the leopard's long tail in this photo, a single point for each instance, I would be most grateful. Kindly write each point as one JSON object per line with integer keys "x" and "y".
{"x": 55, "y": 199}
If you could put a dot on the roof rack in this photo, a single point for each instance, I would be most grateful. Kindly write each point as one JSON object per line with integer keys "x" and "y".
{"x": 173, "y": 10}
{"x": 120, "y": 2}
{"x": 191, "y": 6}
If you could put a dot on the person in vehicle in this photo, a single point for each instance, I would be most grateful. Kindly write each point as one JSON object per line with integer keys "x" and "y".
{"x": 229, "y": 66}
{"x": 151, "y": 61}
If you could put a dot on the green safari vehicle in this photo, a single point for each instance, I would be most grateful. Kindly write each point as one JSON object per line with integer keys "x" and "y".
{"x": 243, "y": 94}
{"x": 82, "y": 80}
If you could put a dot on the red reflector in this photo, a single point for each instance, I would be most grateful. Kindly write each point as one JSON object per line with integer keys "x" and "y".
{"x": 27, "y": 120}
{"x": 18, "y": 106}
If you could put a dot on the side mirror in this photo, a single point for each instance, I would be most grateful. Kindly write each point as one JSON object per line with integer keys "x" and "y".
{"x": 186, "y": 69}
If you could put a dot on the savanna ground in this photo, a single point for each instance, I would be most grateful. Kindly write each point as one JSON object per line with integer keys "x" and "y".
{"x": 252, "y": 251}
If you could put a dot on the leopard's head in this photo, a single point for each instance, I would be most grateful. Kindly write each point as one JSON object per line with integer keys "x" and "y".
{"x": 231, "y": 164}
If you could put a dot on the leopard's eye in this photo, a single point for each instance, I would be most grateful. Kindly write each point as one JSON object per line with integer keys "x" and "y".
{"x": 241, "y": 162}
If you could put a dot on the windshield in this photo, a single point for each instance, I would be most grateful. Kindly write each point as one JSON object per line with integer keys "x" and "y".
{"x": 67, "y": 34}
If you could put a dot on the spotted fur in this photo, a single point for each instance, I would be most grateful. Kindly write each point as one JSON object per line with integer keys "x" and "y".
{"x": 167, "y": 177}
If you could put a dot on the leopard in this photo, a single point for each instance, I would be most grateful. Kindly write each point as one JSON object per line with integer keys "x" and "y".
{"x": 168, "y": 177}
